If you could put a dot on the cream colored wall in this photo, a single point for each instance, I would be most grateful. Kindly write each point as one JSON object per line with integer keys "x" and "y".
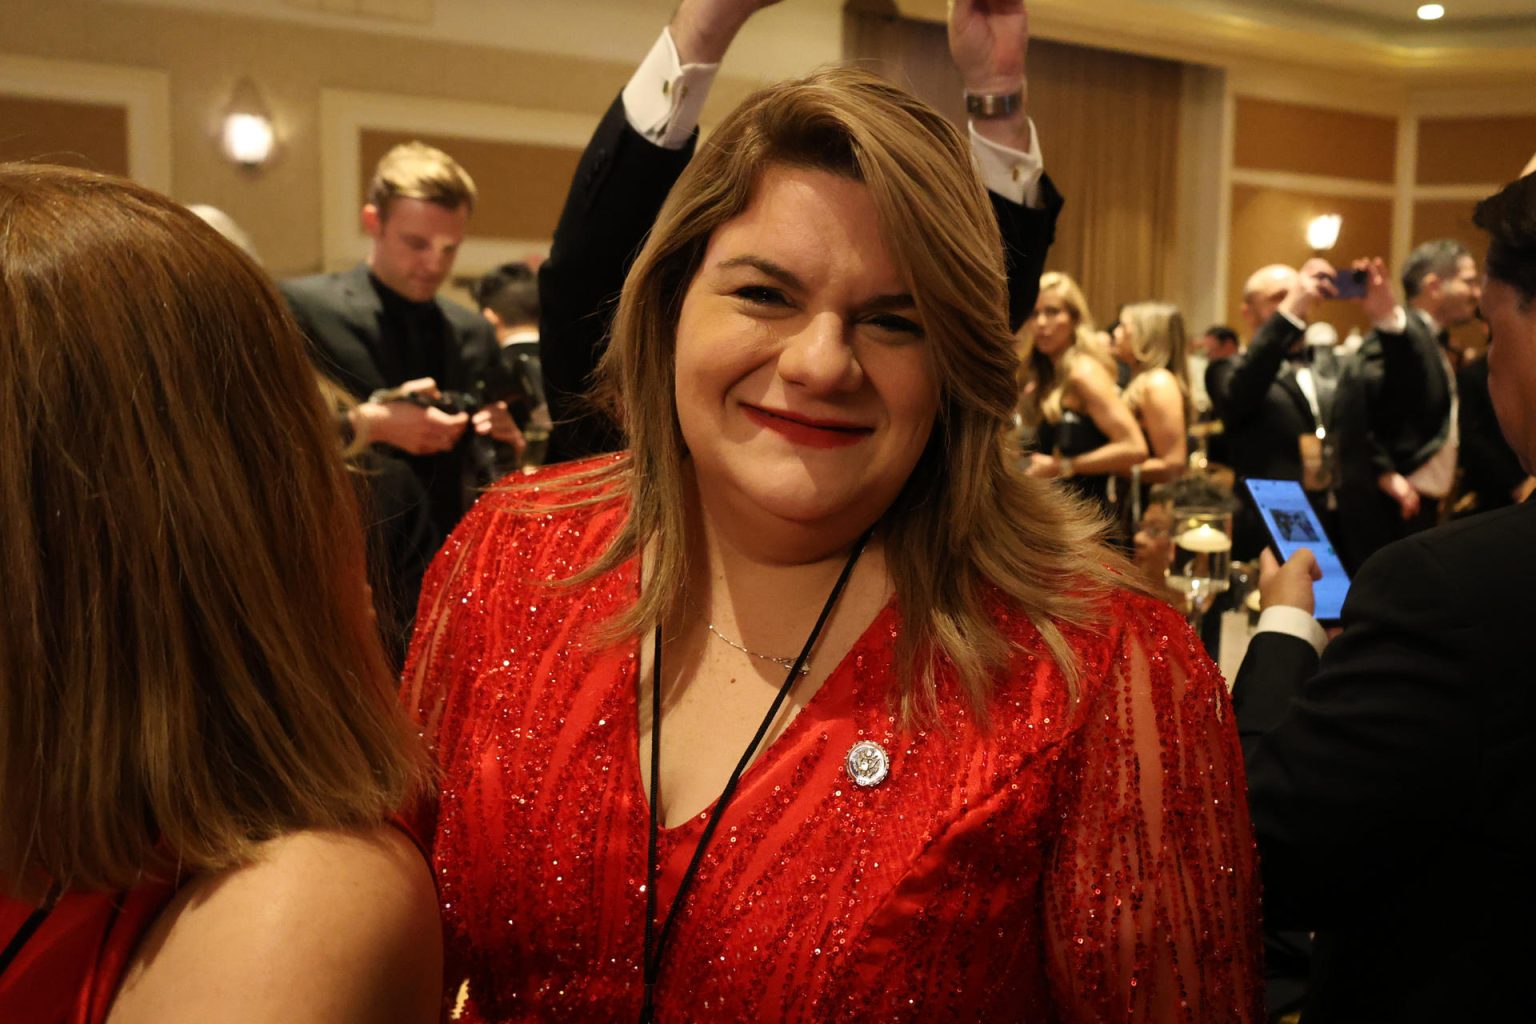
{"x": 203, "y": 54}
{"x": 535, "y": 56}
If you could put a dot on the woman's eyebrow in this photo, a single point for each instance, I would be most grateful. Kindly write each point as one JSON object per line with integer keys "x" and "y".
{"x": 897, "y": 300}
{"x": 767, "y": 266}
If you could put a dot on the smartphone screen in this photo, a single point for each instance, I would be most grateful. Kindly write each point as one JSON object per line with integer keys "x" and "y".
{"x": 1293, "y": 525}
{"x": 1349, "y": 284}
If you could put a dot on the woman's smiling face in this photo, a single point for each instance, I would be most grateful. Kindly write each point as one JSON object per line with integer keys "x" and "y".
{"x": 804, "y": 383}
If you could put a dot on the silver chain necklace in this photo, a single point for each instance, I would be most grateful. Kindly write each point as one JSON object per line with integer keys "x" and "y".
{"x": 787, "y": 663}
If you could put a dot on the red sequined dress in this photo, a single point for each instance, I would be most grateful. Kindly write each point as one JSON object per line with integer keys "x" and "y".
{"x": 1087, "y": 861}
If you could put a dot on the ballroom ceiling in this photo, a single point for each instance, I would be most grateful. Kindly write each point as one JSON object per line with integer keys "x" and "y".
{"x": 1466, "y": 22}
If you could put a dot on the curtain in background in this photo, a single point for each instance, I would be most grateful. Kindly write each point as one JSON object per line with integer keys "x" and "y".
{"x": 1109, "y": 128}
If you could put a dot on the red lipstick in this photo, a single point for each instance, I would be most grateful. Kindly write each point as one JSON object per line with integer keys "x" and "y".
{"x": 804, "y": 430}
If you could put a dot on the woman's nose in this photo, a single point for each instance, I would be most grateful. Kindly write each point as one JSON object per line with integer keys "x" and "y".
{"x": 820, "y": 356}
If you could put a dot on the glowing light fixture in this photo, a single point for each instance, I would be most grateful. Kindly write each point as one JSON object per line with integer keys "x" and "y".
{"x": 1431, "y": 12}
{"x": 246, "y": 134}
{"x": 1323, "y": 232}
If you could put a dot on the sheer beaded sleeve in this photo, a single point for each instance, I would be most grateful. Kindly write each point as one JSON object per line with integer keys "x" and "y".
{"x": 447, "y": 644}
{"x": 1151, "y": 899}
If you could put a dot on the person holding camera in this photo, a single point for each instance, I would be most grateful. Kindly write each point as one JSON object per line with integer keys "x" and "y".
{"x": 1390, "y": 768}
{"x": 426, "y": 372}
{"x": 1278, "y": 414}
{"x": 1405, "y": 407}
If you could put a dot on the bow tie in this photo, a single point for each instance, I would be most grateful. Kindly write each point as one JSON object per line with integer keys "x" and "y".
{"x": 1301, "y": 356}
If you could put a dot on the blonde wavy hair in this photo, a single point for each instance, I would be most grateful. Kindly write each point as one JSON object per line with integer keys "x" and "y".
{"x": 1159, "y": 341}
{"x": 1042, "y": 402}
{"x": 967, "y": 524}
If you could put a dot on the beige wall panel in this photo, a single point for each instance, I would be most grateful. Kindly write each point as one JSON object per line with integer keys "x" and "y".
{"x": 522, "y": 187}
{"x": 1474, "y": 150}
{"x": 1269, "y": 226}
{"x": 89, "y": 135}
{"x": 205, "y": 54}
{"x": 1274, "y": 136}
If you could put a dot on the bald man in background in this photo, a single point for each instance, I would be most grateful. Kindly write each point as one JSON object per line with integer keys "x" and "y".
{"x": 1277, "y": 413}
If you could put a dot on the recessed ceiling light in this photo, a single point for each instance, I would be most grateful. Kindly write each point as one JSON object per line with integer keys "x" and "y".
{"x": 1431, "y": 12}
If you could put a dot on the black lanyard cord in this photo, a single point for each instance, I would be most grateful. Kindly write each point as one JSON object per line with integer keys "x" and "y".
{"x": 28, "y": 927}
{"x": 656, "y": 945}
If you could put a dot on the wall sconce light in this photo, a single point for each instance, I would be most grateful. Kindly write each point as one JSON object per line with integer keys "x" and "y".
{"x": 1323, "y": 232}
{"x": 246, "y": 133}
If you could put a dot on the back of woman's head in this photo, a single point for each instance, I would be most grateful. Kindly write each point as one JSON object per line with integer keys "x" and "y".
{"x": 187, "y": 660}
{"x": 1157, "y": 339}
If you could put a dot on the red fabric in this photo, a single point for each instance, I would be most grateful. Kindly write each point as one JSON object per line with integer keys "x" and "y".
{"x": 69, "y": 971}
{"x": 1078, "y": 861}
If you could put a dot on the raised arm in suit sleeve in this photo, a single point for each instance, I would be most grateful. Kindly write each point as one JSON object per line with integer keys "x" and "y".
{"x": 1238, "y": 395}
{"x": 1027, "y": 236}
{"x": 620, "y": 184}
{"x": 1360, "y": 766}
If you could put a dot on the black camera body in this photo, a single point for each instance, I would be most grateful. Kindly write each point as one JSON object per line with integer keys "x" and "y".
{"x": 451, "y": 402}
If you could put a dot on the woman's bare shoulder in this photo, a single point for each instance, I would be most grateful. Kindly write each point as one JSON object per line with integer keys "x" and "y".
{"x": 322, "y": 926}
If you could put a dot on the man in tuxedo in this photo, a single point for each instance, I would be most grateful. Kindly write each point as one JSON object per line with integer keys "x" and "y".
{"x": 647, "y": 138}
{"x": 1401, "y": 425}
{"x": 1393, "y": 782}
{"x": 1276, "y": 411}
{"x": 508, "y": 297}
{"x": 382, "y": 333}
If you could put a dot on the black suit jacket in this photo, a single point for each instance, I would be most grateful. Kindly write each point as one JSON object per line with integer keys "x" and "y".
{"x": 1263, "y": 411}
{"x": 1393, "y": 414}
{"x": 341, "y": 316}
{"x": 1393, "y": 786}
{"x": 1490, "y": 467}
{"x": 621, "y": 182}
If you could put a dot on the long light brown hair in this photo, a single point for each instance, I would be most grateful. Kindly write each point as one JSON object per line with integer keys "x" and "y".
{"x": 1159, "y": 341}
{"x": 967, "y": 520}
{"x": 188, "y": 665}
{"x": 1044, "y": 380}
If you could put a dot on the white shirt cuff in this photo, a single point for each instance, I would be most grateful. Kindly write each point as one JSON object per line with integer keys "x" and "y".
{"x": 1396, "y": 323}
{"x": 1292, "y": 621}
{"x": 1295, "y": 322}
{"x": 665, "y": 97}
{"x": 1012, "y": 174}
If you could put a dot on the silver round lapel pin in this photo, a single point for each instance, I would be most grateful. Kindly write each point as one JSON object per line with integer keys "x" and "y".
{"x": 867, "y": 763}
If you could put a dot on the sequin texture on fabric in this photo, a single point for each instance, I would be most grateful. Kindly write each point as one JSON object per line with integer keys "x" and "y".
{"x": 1082, "y": 861}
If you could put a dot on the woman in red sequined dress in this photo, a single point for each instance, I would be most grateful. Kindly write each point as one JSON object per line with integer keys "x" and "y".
{"x": 1002, "y": 784}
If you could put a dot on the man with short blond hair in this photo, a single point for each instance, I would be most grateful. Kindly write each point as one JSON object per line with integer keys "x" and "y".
{"x": 421, "y": 368}
{"x": 415, "y": 170}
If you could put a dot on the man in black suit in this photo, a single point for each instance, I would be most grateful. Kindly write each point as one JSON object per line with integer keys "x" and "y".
{"x": 1393, "y": 783}
{"x": 647, "y": 138}
{"x": 381, "y": 332}
{"x": 1276, "y": 411}
{"x": 1491, "y": 473}
{"x": 1401, "y": 424}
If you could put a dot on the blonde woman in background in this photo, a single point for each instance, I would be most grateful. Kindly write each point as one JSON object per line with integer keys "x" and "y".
{"x": 1150, "y": 339}
{"x": 1084, "y": 432}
